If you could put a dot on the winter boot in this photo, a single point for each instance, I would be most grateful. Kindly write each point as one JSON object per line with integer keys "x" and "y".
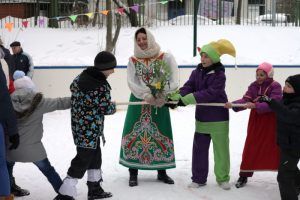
{"x": 133, "y": 173}
{"x": 9, "y": 197}
{"x": 162, "y": 176}
{"x": 16, "y": 190}
{"x": 63, "y": 197}
{"x": 241, "y": 182}
{"x": 95, "y": 191}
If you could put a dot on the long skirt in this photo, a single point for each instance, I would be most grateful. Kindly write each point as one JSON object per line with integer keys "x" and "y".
{"x": 147, "y": 140}
{"x": 261, "y": 152}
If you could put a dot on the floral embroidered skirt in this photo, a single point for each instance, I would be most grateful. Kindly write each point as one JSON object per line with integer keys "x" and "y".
{"x": 147, "y": 140}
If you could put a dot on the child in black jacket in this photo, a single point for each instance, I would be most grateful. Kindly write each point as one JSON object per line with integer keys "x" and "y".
{"x": 288, "y": 137}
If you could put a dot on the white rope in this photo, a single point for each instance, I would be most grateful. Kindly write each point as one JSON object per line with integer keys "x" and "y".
{"x": 175, "y": 102}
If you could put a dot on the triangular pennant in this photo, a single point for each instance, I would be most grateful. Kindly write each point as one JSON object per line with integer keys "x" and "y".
{"x": 135, "y": 8}
{"x": 9, "y": 26}
{"x": 104, "y": 12}
{"x": 163, "y": 2}
{"x": 89, "y": 14}
{"x": 121, "y": 10}
{"x": 41, "y": 22}
{"x": 73, "y": 17}
{"x": 25, "y": 24}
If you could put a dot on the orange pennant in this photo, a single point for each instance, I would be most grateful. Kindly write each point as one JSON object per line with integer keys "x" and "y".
{"x": 9, "y": 26}
{"x": 104, "y": 12}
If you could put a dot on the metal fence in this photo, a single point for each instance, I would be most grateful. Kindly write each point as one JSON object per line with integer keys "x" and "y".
{"x": 44, "y": 13}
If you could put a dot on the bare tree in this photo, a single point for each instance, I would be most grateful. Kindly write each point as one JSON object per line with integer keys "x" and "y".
{"x": 131, "y": 14}
{"x": 96, "y": 15}
{"x": 239, "y": 12}
{"x": 110, "y": 39}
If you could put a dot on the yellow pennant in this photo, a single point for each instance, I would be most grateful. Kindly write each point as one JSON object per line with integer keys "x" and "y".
{"x": 89, "y": 14}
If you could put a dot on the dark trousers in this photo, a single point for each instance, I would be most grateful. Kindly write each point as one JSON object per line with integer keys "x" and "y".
{"x": 134, "y": 172}
{"x": 46, "y": 168}
{"x": 288, "y": 174}
{"x": 84, "y": 160}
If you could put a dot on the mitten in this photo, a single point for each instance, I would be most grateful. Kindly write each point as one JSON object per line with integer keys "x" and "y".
{"x": 14, "y": 139}
{"x": 187, "y": 99}
{"x": 264, "y": 98}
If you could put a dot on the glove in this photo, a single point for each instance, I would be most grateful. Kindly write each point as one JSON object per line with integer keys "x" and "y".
{"x": 264, "y": 98}
{"x": 187, "y": 99}
{"x": 171, "y": 105}
{"x": 149, "y": 98}
{"x": 175, "y": 96}
{"x": 14, "y": 139}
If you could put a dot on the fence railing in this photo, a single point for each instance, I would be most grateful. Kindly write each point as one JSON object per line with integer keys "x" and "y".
{"x": 43, "y": 13}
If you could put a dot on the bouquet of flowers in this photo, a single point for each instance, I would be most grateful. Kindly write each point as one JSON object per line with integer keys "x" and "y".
{"x": 161, "y": 77}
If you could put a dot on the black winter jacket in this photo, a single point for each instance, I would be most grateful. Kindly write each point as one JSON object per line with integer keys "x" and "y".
{"x": 288, "y": 122}
{"x": 7, "y": 113}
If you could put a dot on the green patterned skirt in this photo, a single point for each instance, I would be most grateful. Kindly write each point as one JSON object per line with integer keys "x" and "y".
{"x": 147, "y": 140}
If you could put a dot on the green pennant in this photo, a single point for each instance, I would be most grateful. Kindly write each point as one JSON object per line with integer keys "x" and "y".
{"x": 164, "y": 2}
{"x": 73, "y": 17}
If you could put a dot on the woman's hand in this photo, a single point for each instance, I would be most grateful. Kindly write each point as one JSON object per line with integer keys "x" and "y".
{"x": 250, "y": 105}
{"x": 228, "y": 105}
{"x": 149, "y": 98}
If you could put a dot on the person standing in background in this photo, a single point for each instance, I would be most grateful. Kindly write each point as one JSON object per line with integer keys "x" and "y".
{"x": 22, "y": 61}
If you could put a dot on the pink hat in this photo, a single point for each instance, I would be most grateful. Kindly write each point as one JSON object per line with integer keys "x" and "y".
{"x": 267, "y": 68}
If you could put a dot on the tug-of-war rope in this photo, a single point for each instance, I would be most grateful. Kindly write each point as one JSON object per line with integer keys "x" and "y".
{"x": 175, "y": 102}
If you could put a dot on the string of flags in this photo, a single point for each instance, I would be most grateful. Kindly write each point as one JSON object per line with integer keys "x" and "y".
{"x": 41, "y": 22}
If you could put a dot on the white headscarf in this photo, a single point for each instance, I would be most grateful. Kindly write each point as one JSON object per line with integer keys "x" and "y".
{"x": 152, "y": 50}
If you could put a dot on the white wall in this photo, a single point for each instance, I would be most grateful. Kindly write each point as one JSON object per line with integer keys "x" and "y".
{"x": 56, "y": 82}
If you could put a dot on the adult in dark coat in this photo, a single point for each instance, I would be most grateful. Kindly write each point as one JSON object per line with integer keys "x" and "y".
{"x": 7, "y": 125}
{"x": 288, "y": 137}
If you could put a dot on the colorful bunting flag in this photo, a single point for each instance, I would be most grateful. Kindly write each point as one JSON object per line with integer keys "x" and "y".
{"x": 25, "y": 24}
{"x": 41, "y": 22}
{"x": 73, "y": 17}
{"x": 89, "y": 15}
{"x": 104, "y": 12}
{"x": 121, "y": 11}
{"x": 9, "y": 26}
{"x": 135, "y": 8}
{"x": 164, "y": 2}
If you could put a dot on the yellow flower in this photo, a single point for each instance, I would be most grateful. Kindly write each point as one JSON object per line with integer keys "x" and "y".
{"x": 157, "y": 85}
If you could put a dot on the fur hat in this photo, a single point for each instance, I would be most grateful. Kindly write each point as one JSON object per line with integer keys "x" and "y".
{"x": 15, "y": 44}
{"x": 267, "y": 68}
{"x": 215, "y": 50}
{"x": 105, "y": 61}
{"x": 24, "y": 82}
{"x": 295, "y": 83}
{"x": 18, "y": 74}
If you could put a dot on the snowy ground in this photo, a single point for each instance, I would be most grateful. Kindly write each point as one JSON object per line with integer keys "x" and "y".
{"x": 59, "y": 145}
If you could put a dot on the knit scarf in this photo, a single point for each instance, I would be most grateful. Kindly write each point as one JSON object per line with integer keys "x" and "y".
{"x": 152, "y": 50}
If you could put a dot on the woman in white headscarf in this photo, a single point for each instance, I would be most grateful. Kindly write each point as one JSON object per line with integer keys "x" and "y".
{"x": 147, "y": 140}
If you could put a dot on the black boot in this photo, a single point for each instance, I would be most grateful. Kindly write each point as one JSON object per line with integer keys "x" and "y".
{"x": 95, "y": 191}
{"x": 63, "y": 197}
{"x": 162, "y": 176}
{"x": 133, "y": 173}
{"x": 241, "y": 182}
{"x": 16, "y": 190}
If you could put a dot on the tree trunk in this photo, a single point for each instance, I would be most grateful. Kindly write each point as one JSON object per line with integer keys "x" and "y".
{"x": 96, "y": 15}
{"x": 110, "y": 40}
{"x": 239, "y": 12}
{"x": 133, "y": 15}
